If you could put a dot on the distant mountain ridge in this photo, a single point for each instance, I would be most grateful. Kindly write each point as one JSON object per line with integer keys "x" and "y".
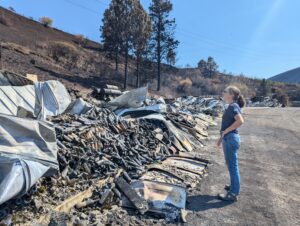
{"x": 291, "y": 76}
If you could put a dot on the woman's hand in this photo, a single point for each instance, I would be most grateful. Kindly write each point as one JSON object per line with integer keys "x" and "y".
{"x": 223, "y": 133}
{"x": 219, "y": 142}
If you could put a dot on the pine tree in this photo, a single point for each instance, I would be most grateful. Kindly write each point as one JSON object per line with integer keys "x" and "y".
{"x": 127, "y": 32}
{"x": 171, "y": 57}
{"x": 141, "y": 34}
{"x": 202, "y": 65}
{"x": 110, "y": 29}
{"x": 212, "y": 67}
{"x": 163, "y": 28}
{"x": 117, "y": 31}
{"x": 265, "y": 88}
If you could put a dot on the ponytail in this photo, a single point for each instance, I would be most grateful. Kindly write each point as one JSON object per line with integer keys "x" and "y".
{"x": 241, "y": 101}
{"x": 237, "y": 96}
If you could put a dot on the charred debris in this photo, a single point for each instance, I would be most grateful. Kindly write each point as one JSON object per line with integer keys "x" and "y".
{"x": 130, "y": 158}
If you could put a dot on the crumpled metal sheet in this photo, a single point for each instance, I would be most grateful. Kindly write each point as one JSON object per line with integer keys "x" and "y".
{"x": 52, "y": 98}
{"x": 28, "y": 151}
{"x": 78, "y": 107}
{"x": 159, "y": 195}
{"x": 157, "y": 108}
{"x": 13, "y": 97}
{"x": 42, "y": 99}
{"x": 131, "y": 99}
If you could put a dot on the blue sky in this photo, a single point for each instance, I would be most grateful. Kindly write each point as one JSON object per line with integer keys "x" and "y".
{"x": 259, "y": 38}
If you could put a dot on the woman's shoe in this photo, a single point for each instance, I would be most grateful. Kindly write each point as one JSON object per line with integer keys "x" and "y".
{"x": 228, "y": 197}
{"x": 227, "y": 187}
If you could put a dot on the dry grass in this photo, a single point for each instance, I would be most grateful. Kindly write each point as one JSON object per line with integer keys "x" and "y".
{"x": 184, "y": 85}
{"x": 4, "y": 21}
{"x": 80, "y": 39}
{"x": 186, "y": 82}
{"x": 16, "y": 47}
{"x": 64, "y": 52}
{"x": 58, "y": 49}
{"x": 192, "y": 82}
{"x": 46, "y": 21}
{"x": 71, "y": 56}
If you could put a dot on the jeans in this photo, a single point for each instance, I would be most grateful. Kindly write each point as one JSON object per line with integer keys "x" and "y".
{"x": 231, "y": 145}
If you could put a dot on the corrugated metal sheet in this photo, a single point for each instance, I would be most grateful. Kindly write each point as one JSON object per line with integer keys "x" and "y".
{"x": 41, "y": 99}
{"x": 28, "y": 151}
{"x": 11, "y": 97}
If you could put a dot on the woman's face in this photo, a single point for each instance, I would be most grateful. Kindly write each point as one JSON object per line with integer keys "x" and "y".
{"x": 227, "y": 97}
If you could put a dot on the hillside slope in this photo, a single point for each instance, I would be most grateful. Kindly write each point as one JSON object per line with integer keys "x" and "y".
{"x": 27, "y": 46}
{"x": 291, "y": 76}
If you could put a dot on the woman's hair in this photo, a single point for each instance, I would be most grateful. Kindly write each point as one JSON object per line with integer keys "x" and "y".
{"x": 237, "y": 95}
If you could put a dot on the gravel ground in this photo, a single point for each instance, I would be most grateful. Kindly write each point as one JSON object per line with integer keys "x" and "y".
{"x": 269, "y": 167}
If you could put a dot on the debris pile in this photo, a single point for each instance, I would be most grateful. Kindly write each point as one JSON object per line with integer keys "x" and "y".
{"x": 195, "y": 105}
{"x": 265, "y": 102}
{"x": 106, "y": 93}
{"x": 95, "y": 144}
{"x": 8, "y": 78}
{"x": 134, "y": 156}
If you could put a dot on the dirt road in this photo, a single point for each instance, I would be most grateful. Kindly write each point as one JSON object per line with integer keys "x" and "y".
{"x": 269, "y": 161}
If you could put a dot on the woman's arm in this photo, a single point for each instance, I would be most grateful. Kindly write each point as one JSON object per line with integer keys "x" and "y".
{"x": 239, "y": 120}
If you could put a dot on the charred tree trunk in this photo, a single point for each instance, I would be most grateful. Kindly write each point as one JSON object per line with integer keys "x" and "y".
{"x": 158, "y": 55}
{"x": 126, "y": 66}
{"x": 117, "y": 59}
{"x": 1, "y": 67}
{"x": 138, "y": 60}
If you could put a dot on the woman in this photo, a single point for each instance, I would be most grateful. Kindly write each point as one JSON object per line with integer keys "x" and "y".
{"x": 232, "y": 119}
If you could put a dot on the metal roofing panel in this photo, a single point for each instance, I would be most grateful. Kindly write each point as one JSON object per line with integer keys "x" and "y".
{"x": 26, "y": 95}
{"x": 12, "y": 97}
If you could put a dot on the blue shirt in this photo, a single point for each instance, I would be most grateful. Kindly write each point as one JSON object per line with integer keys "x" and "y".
{"x": 228, "y": 117}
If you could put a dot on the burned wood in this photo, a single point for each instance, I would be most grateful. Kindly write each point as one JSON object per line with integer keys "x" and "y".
{"x": 98, "y": 144}
{"x": 168, "y": 172}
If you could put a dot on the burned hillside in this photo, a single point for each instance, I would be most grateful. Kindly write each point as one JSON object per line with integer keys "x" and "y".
{"x": 30, "y": 47}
